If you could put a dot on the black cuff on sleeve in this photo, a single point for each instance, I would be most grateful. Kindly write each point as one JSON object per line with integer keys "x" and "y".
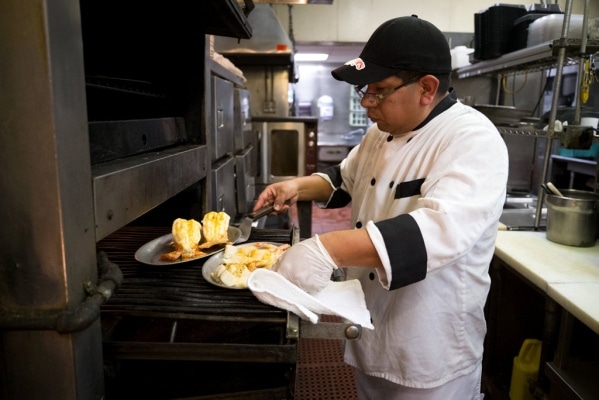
{"x": 406, "y": 249}
{"x": 340, "y": 197}
{"x": 334, "y": 174}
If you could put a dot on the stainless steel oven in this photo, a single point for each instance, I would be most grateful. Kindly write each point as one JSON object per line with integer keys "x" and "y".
{"x": 288, "y": 147}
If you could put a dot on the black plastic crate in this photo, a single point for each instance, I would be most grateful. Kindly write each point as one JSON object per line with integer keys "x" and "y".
{"x": 492, "y": 30}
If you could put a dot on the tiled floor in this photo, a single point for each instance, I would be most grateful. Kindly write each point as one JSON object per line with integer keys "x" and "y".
{"x": 326, "y": 220}
{"x": 330, "y": 220}
{"x": 321, "y": 372}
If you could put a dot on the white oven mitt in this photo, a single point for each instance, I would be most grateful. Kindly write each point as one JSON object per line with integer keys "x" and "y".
{"x": 344, "y": 299}
{"x": 307, "y": 264}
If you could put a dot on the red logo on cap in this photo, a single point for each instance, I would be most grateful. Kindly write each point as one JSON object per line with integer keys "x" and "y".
{"x": 356, "y": 62}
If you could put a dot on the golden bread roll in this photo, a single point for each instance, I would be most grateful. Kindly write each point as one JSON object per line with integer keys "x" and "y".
{"x": 215, "y": 226}
{"x": 187, "y": 234}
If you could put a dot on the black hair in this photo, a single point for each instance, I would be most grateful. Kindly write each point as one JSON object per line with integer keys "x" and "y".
{"x": 444, "y": 78}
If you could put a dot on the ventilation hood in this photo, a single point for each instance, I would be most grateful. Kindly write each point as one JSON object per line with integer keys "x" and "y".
{"x": 269, "y": 45}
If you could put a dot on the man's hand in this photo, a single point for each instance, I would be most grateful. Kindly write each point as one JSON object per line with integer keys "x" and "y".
{"x": 286, "y": 193}
{"x": 307, "y": 264}
{"x": 281, "y": 195}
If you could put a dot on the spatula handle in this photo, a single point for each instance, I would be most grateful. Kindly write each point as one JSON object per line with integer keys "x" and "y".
{"x": 261, "y": 212}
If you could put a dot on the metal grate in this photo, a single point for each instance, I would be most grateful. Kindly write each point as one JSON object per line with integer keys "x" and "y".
{"x": 167, "y": 333}
{"x": 135, "y": 317}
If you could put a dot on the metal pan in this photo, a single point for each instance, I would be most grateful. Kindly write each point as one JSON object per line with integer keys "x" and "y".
{"x": 503, "y": 115}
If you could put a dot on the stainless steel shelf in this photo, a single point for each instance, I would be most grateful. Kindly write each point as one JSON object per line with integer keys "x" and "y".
{"x": 224, "y": 73}
{"x": 124, "y": 189}
{"x": 532, "y": 58}
{"x": 568, "y": 137}
{"x": 527, "y": 131}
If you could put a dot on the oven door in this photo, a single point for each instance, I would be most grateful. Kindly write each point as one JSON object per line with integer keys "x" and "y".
{"x": 244, "y": 181}
{"x": 223, "y": 186}
{"x": 288, "y": 150}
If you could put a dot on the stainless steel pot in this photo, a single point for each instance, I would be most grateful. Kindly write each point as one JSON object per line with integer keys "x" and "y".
{"x": 503, "y": 115}
{"x": 573, "y": 220}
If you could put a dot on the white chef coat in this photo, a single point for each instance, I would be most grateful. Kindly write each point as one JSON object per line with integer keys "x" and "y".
{"x": 430, "y": 201}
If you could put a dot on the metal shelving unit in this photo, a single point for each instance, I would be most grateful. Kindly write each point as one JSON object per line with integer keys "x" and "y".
{"x": 563, "y": 372}
{"x": 553, "y": 54}
{"x": 534, "y": 58}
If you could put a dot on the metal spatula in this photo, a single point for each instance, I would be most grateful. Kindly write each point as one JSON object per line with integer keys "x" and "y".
{"x": 246, "y": 225}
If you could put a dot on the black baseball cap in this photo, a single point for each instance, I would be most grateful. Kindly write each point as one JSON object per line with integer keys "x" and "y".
{"x": 404, "y": 43}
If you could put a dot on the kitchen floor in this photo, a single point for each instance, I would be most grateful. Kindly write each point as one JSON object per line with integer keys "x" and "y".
{"x": 321, "y": 372}
{"x": 325, "y": 220}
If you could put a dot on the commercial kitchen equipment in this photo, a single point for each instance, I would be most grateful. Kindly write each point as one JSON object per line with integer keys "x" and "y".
{"x": 288, "y": 149}
{"x": 106, "y": 125}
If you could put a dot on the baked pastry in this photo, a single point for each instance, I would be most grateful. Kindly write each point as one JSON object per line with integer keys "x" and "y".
{"x": 215, "y": 228}
{"x": 187, "y": 234}
{"x": 190, "y": 237}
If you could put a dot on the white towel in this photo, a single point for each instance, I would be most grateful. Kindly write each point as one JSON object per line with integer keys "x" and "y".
{"x": 344, "y": 299}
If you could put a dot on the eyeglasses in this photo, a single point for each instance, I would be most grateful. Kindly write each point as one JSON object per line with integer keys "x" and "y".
{"x": 374, "y": 99}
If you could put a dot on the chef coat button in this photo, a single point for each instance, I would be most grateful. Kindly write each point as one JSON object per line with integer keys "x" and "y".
{"x": 371, "y": 276}
{"x": 389, "y": 138}
{"x": 372, "y": 181}
{"x": 391, "y": 185}
{"x": 358, "y": 224}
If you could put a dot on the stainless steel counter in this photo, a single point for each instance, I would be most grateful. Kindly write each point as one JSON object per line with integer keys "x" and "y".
{"x": 338, "y": 139}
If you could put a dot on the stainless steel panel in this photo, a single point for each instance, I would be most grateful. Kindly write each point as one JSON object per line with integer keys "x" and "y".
{"x": 294, "y": 128}
{"x": 243, "y": 119}
{"x": 332, "y": 153}
{"x": 222, "y": 137}
{"x": 46, "y": 207}
{"x": 110, "y": 140}
{"x": 264, "y": 47}
{"x": 126, "y": 189}
{"x": 269, "y": 87}
{"x": 521, "y": 150}
{"x": 244, "y": 181}
{"x": 223, "y": 186}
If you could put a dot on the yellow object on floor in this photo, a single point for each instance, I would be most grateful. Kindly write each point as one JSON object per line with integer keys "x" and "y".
{"x": 525, "y": 370}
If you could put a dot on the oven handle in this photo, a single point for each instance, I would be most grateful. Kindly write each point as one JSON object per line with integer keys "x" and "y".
{"x": 220, "y": 118}
{"x": 298, "y": 328}
{"x": 71, "y": 321}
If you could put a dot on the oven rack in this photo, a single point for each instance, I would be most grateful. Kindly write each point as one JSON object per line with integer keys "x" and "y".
{"x": 125, "y": 85}
{"x": 172, "y": 312}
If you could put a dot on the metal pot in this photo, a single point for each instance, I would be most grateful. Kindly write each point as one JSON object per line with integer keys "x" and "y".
{"x": 503, "y": 115}
{"x": 573, "y": 220}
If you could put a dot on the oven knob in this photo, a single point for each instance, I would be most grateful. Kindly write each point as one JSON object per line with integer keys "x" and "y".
{"x": 311, "y": 134}
{"x": 311, "y": 143}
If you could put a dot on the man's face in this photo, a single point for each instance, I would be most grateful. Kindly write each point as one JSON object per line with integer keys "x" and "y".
{"x": 400, "y": 110}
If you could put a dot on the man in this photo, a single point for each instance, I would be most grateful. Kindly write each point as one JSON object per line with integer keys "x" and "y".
{"x": 427, "y": 186}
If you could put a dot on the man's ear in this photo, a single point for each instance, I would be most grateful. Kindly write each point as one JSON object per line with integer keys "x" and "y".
{"x": 429, "y": 86}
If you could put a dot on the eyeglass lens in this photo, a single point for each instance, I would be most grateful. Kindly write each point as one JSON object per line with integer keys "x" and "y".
{"x": 377, "y": 97}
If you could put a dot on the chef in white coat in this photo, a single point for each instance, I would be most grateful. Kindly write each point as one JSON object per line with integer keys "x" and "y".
{"x": 427, "y": 186}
